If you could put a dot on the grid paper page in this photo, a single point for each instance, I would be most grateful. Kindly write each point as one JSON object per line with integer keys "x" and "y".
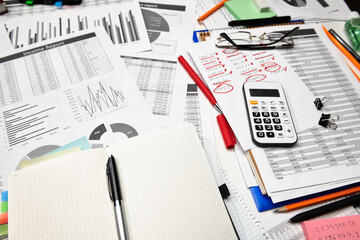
{"x": 65, "y": 198}
{"x": 169, "y": 191}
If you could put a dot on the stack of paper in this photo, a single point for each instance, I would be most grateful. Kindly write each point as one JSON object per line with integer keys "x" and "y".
{"x": 323, "y": 158}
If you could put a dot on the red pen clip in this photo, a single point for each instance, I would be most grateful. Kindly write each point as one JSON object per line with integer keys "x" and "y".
{"x": 226, "y": 132}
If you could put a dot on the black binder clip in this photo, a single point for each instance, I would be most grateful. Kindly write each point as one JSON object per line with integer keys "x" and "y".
{"x": 327, "y": 120}
{"x": 224, "y": 191}
{"x": 319, "y": 103}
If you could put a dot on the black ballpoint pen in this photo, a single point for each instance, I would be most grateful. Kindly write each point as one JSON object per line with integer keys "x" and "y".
{"x": 345, "y": 45}
{"x": 115, "y": 195}
{"x": 354, "y": 199}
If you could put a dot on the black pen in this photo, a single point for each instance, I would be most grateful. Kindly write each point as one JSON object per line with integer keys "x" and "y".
{"x": 345, "y": 45}
{"x": 355, "y": 199}
{"x": 115, "y": 195}
{"x": 260, "y": 21}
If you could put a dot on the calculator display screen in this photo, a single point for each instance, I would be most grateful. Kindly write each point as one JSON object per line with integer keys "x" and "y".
{"x": 264, "y": 93}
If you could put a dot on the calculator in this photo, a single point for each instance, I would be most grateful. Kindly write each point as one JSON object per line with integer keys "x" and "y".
{"x": 269, "y": 115}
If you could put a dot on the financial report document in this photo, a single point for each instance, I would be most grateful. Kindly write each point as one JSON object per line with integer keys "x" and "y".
{"x": 322, "y": 155}
{"x": 158, "y": 75}
{"x": 123, "y": 24}
{"x": 52, "y": 93}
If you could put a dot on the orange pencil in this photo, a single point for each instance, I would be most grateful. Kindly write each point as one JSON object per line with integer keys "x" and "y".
{"x": 320, "y": 199}
{"x": 342, "y": 49}
{"x": 211, "y": 11}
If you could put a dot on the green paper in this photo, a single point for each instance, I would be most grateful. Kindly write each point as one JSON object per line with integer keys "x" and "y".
{"x": 246, "y": 9}
{"x": 3, "y": 230}
{"x": 4, "y": 207}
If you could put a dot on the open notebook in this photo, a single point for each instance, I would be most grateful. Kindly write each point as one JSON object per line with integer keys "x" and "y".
{"x": 167, "y": 185}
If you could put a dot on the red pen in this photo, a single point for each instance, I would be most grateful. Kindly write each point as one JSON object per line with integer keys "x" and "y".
{"x": 226, "y": 131}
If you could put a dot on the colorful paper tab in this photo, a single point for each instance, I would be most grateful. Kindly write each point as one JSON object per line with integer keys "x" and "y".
{"x": 4, "y": 207}
{"x": 3, "y": 230}
{"x": 3, "y": 218}
{"x": 58, "y": 4}
{"x": 4, "y": 196}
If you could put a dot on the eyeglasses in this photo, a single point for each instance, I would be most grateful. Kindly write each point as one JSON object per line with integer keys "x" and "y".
{"x": 245, "y": 40}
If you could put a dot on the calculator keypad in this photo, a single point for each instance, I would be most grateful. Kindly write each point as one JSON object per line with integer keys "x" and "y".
{"x": 271, "y": 119}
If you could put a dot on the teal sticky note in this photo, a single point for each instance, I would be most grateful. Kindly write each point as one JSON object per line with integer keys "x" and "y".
{"x": 4, "y": 196}
{"x": 4, "y": 207}
{"x": 82, "y": 142}
{"x": 246, "y": 9}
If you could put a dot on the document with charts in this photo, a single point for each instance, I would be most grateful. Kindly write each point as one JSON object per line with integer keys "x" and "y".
{"x": 225, "y": 70}
{"x": 123, "y": 23}
{"x": 160, "y": 78}
{"x": 56, "y": 92}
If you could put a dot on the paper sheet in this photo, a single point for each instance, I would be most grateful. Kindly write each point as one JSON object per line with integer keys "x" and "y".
{"x": 311, "y": 10}
{"x": 322, "y": 155}
{"x": 58, "y": 91}
{"x": 225, "y": 71}
{"x": 160, "y": 78}
{"x": 123, "y": 23}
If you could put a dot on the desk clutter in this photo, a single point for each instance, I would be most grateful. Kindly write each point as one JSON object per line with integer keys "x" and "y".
{"x": 105, "y": 120}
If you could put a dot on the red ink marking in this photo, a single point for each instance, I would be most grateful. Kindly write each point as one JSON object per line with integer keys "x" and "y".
{"x": 206, "y": 58}
{"x": 208, "y": 63}
{"x": 271, "y": 66}
{"x": 223, "y": 87}
{"x": 216, "y": 75}
{"x": 229, "y": 51}
{"x": 256, "y": 78}
{"x": 248, "y": 72}
{"x": 213, "y": 66}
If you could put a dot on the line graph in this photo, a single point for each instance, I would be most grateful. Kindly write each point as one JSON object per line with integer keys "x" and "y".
{"x": 100, "y": 99}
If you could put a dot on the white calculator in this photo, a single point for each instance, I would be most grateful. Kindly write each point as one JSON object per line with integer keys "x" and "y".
{"x": 269, "y": 115}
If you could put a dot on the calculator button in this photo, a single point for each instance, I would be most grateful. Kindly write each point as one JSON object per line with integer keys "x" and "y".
{"x": 264, "y": 108}
{"x": 284, "y": 115}
{"x": 255, "y": 108}
{"x": 256, "y": 114}
{"x": 267, "y": 120}
{"x": 272, "y": 102}
{"x": 281, "y": 102}
{"x": 280, "y": 134}
{"x": 282, "y": 108}
{"x": 274, "y": 114}
{"x": 257, "y": 120}
{"x": 273, "y": 108}
{"x": 262, "y": 102}
{"x": 278, "y": 127}
{"x": 260, "y": 134}
{"x": 286, "y": 121}
{"x": 276, "y": 120}
{"x": 265, "y": 114}
{"x": 259, "y": 127}
{"x": 270, "y": 134}
{"x": 253, "y": 102}
{"x": 289, "y": 132}
{"x": 268, "y": 127}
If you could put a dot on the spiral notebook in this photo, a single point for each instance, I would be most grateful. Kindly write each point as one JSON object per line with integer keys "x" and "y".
{"x": 167, "y": 184}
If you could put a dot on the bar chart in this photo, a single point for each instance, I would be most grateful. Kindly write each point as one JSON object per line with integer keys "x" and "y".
{"x": 123, "y": 25}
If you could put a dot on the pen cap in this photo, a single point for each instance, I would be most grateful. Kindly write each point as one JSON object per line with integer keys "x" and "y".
{"x": 226, "y": 131}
